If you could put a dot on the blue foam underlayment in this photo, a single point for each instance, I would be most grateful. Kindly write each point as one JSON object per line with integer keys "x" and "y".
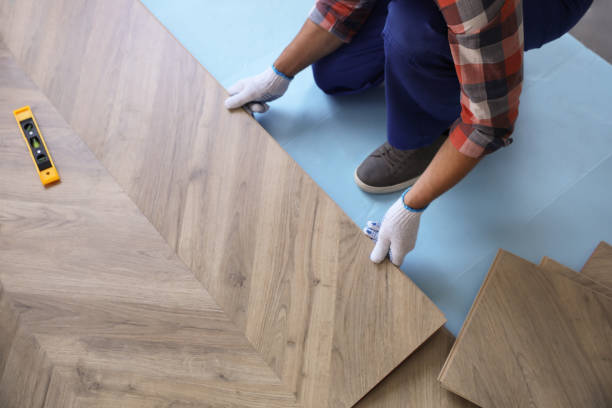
{"x": 550, "y": 193}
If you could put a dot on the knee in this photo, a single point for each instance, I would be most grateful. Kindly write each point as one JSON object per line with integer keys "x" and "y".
{"x": 415, "y": 30}
{"x": 339, "y": 78}
{"x": 346, "y": 71}
{"x": 325, "y": 76}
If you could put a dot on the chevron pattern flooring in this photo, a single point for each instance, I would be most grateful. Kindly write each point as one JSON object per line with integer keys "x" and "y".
{"x": 93, "y": 298}
{"x": 185, "y": 259}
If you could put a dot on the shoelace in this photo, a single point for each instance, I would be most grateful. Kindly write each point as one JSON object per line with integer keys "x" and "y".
{"x": 391, "y": 156}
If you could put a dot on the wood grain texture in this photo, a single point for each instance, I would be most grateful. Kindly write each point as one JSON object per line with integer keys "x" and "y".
{"x": 60, "y": 392}
{"x": 414, "y": 383}
{"x": 579, "y": 278}
{"x": 533, "y": 338}
{"x": 599, "y": 265}
{"x": 27, "y": 373}
{"x": 8, "y": 327}
{"x": 93, "y": 302}
{"x": 285, "y": 264}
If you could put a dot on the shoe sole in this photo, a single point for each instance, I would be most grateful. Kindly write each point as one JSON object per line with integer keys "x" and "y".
{"x": 385, "y": 189}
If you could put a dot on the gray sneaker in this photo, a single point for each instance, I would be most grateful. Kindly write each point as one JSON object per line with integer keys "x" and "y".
{"x": 389, "y": 169}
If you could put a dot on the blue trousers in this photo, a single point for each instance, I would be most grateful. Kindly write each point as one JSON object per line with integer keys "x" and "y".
{"x": 405, "y": 44}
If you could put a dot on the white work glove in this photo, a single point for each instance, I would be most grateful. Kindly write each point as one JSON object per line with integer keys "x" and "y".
{"x": 254, "y": 92}
{"x": 397, "y": 233}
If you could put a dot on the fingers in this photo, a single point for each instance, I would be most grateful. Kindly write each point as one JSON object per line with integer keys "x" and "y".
{"x": 237, "y": 100}
{"x": 371, "y": 230}
{"x": 397, "y": 253}
{"x": 240, "y": 93}
{"x": 247, "y": 109}
{"x": 236, "y": 88}
{"x": 373, "y": 225}
{"x": 258, "y": 107}
{"x": 244, "y": 98}
{"x": 372, "y": 234}
{"x": 256, "y": 90}
{"x": 381, "y": 250}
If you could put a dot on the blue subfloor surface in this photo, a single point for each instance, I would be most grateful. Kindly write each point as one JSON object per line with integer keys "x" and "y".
{"x": 549, "y": 193}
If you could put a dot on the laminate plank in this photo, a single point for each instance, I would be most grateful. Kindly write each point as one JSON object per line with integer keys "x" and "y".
{"x": 8, "y": 328}
{"x": 414, "y": 383}
{"x": 599, "y": 265}
{"x": 131, "y": 306}
{"x": 60, "y": 393}
{"x": 533, "y": 338}
{"x": 289, "y": 268}
{"x": 27, "y": 373}
{"x": 105, "y": 388}
{"x": 89, "y": 290}
{"x": 579, "y": 278}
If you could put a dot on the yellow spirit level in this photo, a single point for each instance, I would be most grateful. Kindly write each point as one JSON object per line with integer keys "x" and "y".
{"x": 37, "y": 146}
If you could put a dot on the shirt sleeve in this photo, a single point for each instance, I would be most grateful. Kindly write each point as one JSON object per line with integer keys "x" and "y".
{"x": 343, "y": 18}
{"x": 486, "y": 41}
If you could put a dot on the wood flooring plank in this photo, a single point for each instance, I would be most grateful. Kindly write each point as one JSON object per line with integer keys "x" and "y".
{"x": 8, "y": 328}
{"x": 533, "y": 338}
{"x": 579, "y": 278}
{"x": 60, "y": 392}
{"x": 414, "y": 383}
{"x": 287, "y": 266}
{"x": 599, "y": 265}
{"x": 90, "y": 290}
{"x": 110, "y": 388}
{"x": 27, "y": 374}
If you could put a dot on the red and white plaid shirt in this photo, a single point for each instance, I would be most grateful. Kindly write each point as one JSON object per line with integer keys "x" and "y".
{"x": 486, "y": 41}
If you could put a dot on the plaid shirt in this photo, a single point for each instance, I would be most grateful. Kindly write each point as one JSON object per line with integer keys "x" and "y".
{"x": 486, "y": 42}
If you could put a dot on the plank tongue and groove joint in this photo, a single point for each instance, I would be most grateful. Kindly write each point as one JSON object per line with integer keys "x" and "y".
{"x": 262, "y": 294}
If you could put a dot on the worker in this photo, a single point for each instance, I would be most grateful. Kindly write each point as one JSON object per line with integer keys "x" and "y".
{"x": 452, "y": 71}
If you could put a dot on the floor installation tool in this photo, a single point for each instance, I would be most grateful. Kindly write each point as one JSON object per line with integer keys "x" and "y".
{"x": 38, "y": 148}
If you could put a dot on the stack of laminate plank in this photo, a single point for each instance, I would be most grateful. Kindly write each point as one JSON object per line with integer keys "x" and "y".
{"x": 537, "y": 336}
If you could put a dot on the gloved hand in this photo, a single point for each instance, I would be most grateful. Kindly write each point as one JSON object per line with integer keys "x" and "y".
{"x": 397, "y": 233}
{"x": 254, "y": 92}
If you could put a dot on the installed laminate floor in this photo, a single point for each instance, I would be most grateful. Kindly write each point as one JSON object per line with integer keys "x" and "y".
{"x": 414, "y": 383}
{"x": 280, "y": 259}
{"x": 518, "y": 355}
{"x": 95, "y": 308}
{"x": 599, "y": 265}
